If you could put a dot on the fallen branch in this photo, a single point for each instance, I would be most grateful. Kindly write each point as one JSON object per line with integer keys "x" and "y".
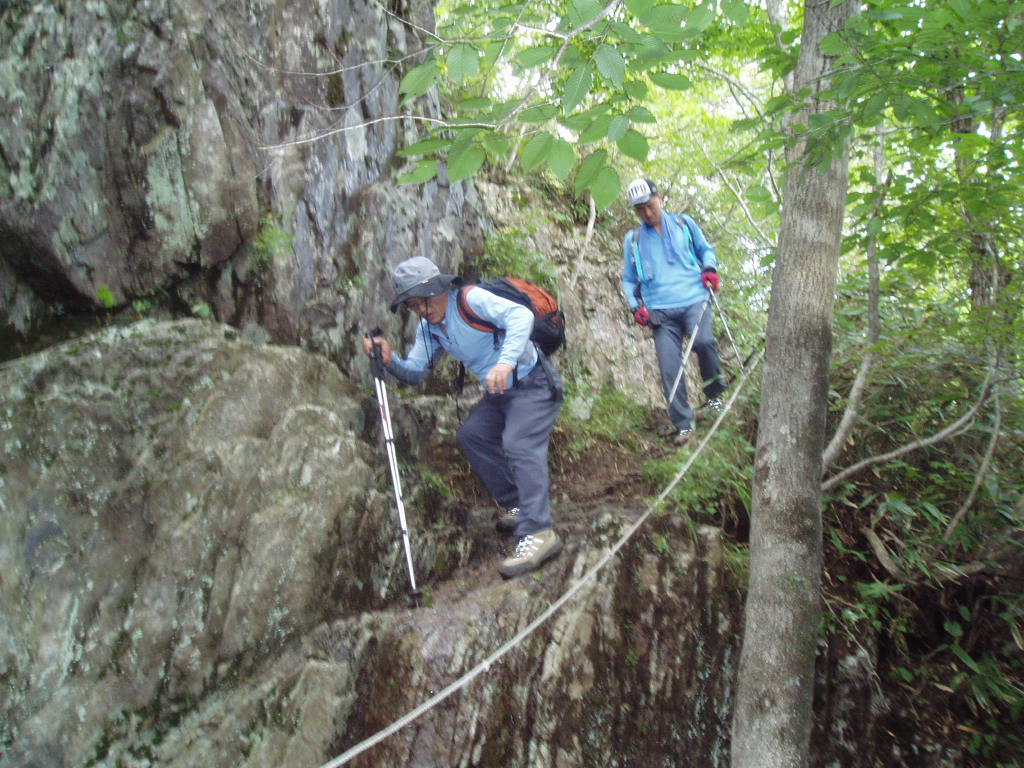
{"x": 997, "y": 423}
{"x": 939, "y": 436}
{"x": 884, "y": 558}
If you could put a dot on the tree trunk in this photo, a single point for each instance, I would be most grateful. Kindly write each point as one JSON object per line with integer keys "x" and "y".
{"x": 773, "y": 714}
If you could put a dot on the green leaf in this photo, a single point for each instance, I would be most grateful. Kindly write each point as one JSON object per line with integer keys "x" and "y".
{"x": 425, "y": 147}
{"x": 759, "y": 194}
{"x": 466, "y": 163}
{"x": 641, "y": 115}
{"x": 597, "y": 130}
{"x": 965, "y": 658}
{"x": 904, "y": 674}
{"x": 954, "y": 628}
{"x": 577, "y": 88}
{"x": 626, "y": 33}
{"x": 536, "y": 151}
{"x": 463, "y": 63}
{"x": 701, "y": 18}
{"x": 492, "y": 50}
{"x": 496, "y": 144}
{"x": 606, "y": 187}
{"x": 582, "y": 11}
{"x": 634, "y": 144}
{"x": 419, "y": 80}
{"x": 671, "y": 81}
{"x": 666, "y": 22}
{"x": 832, "y": 44}
{"x": 425, "y": 171}
{"x": 924, "y": 114}
{"x": 463, "y": 138}
{"x": 589, "y": 169}
{"x": 531, "y": 57}
{"x": 474, "y": 105}
{"x": 561, "y": 159}
{"x": 639, "y": 7}
{"x": 610, "y": 64}
{"x": 736, "y": 11}
{"x": 539, "y": 114}
{"x": 617, "y": 129}
{"x": 875, "y": 106}
{"x": 636, "y": 90}
{"x": 651, "y": 52}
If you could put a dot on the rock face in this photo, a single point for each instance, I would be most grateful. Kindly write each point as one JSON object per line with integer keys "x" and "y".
{"x": 155, "y": 152}
{"x": 200, "y": 567}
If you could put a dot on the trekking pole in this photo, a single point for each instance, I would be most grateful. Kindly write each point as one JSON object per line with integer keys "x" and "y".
{"x": 721, "y": 314}
{"x": 389, "y": 442}
{"x": 689, "y": 348}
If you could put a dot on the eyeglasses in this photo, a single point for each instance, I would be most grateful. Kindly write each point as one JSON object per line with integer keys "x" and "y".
{"x": 417, "y": 304}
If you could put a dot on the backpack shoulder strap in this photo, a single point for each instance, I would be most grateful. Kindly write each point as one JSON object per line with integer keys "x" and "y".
{"x": 683, "y": 220}
{"x": 472, "y": 318}
{"x": 638, "y": 264}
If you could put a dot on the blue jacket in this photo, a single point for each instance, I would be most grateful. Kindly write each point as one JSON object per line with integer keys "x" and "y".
{"x": 671, "y": 264}
{"x": 473, "y": 348}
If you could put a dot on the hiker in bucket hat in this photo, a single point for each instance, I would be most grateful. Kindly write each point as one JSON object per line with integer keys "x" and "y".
{"x": 668, "y": 275}
{"x": 505, "y": 435}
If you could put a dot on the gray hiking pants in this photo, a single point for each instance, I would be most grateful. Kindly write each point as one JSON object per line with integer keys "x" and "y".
{"x": 505, "y": 438}
{"x": 672, "y": 329}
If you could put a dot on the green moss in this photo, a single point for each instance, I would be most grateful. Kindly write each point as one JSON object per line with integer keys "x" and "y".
{"x": 508, "y": 252}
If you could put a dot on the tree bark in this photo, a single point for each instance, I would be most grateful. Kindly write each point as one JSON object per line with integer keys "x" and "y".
{"x": 773, "y": 713}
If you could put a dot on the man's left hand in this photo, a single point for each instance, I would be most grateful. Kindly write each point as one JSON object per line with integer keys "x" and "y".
{"x": 496, "y": 380}
{"x": 710, "y": 279}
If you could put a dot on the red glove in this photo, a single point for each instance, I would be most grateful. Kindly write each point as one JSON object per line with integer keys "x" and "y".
{"x": 710, "y": 279}
{"x": 642, "y": 316}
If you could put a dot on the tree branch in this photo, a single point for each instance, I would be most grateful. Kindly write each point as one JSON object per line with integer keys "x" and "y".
{"x": 997, "y": 422}
{"x": 739, "y": 198}
{"x": 853, "y": 400}
{"x": 952, "y": 429}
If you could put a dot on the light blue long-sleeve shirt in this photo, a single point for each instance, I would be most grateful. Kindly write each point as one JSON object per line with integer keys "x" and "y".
{"x": 671, "y": 264}
{"x": 473, "y": 348}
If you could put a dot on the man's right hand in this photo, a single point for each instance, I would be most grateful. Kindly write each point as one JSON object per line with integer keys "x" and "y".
{"x": 385, "y": 348}
{"x": 642, "y": 316}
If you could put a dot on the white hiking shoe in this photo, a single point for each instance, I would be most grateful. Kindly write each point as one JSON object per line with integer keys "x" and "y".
{"x": 715, "y": 405}
{"x": 684, "y": 436}
{"x": 507, "y": 520}
{"x": 532, "y": 551}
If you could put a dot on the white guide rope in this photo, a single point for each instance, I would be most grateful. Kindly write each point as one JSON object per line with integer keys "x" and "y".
{"x": 485, "y": 665}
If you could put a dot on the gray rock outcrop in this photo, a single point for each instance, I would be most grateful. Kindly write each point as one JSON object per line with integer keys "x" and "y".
{"x": 229, "y": 159}
{"x": 200, "y": 566}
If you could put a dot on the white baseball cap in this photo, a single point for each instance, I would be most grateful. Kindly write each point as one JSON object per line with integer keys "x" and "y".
{"x": 640, "y": 191}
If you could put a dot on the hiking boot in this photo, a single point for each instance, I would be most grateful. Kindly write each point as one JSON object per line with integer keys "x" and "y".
{"x": 666, "y": 429}
{"x": 507, "y": 520}
{"x": 714, "y": 405}
{"x": 532, "y": 551}
{"x": 684, "y": 436}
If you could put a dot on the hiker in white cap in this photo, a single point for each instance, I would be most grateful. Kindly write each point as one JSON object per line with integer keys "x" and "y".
{"x": 669, "y": 270}
{"x": 506, "y": 434}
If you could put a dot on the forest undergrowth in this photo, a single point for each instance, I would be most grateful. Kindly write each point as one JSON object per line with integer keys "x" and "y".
{"x": 940, "y": 614}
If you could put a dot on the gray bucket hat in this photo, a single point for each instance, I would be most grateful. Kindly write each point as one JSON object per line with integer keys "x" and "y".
{"x": 418, "y": 276}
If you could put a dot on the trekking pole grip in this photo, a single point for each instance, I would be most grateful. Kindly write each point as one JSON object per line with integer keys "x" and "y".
{"x": 376, "y": 356}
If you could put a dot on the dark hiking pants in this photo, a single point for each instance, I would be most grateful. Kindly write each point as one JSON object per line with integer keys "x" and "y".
{"x": 673, "y": 328}
{"x": 505, "y": 438}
